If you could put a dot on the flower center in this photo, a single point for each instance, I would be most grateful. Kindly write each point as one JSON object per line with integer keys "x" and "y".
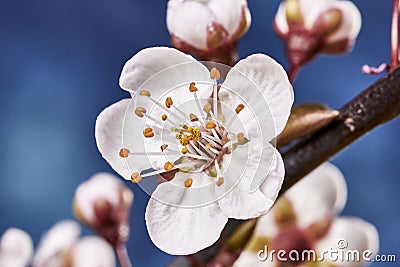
{"x": 201, "y": 141}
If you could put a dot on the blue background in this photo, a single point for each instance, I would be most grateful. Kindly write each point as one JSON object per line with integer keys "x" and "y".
{"x": 59, "y": 67}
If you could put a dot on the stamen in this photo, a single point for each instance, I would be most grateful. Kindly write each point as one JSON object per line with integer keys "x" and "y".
{"x": 210, "y": 125}
{"x": 239, "y": 108}
{"x": 164, "y": 117}
{"x": 148, "y": 133}
{"x": 168, "y": 166}
{"x": 193, "y": 117}
{"x": 139, "y": 111}
{"x": 145, "y": 93}
{"x": 240, "y": 138}
{"x": 163, "y": 147}
{"x": 124, "y": 152}
{"x": 220, "y": 181}
{"x": 168, "y": 102}
{"x": 136, "y": 178}
{"x": 197, "y": 102}
{"x": 210, "y": 139}
{"x": 184, "y": 150}
{"x": 188, "y": 182}
{"x": 183, "y": 165}
{"x": 192, "y": 87}
{"x": 207, "y": 108}
{"x": 216, "y": 136}
{"x": 215, "y": 74}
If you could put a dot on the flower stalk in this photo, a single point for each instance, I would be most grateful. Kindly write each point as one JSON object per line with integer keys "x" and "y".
{"x": 122, "y": 255}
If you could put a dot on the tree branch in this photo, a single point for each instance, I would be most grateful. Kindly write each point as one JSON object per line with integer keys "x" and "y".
{"x": 377, "y": 104}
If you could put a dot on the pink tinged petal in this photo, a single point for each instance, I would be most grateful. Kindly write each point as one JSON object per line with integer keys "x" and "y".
{"x": 181, "y": 229}
{"x": 150, "y": 61}
{"x": 188, "y": 21}
{"x": 249, "y": 258}
{"x": 102, "y": 186}
{"x": 350, "y": 234}
{"x": 110, "y": 125}
{"x": 266, "y": 79}
{"x": 320, "y": 194}
{"x": 56, "y": 243}
{"x": 373, "y": 70}
{"x": 16, "y": 248}
{"x": 92, "y": 252}
{"x": 229, "y": 14}
{"x": 248, "y": 168}
{"x": 350, "y": 25}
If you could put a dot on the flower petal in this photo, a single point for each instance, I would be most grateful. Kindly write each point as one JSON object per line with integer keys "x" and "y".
{"x": 229, "y": 14}
{"x": 280, "y": 21}
{"x": 247, "y": 170}
{"x": 16, "y": 248}
{"x": 350, "y": 234}
{"x": 350, "y": 25}
{"x": 260, "y": 76}
{"x": 55, "y": 243}
{"x": 151, "y": 61}
{"x": 188, "y": 20}
{"x": 182, "y": 230}
{"x": 321, "y": 193}
{"x": 92, "y": 251}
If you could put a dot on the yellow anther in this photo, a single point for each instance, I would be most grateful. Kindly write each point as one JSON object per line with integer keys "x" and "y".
{"x": 208, "y": 146}
{"x": 193, "y": 117}
{"x": 188, "y": 182}
{"x": 210, "y": 125}
{"x": 164, "y": 117}
{"x": 184, "y": 141}
{"x": 145, "y": 93}
{"x": 239, "y": 108}
{"x": 148, "y": 133}
{"x": 220, "y": 181}
{"x": 136, "y": 178}
{"x": 207, "y": 108}
{"x": 240, "y": 138}
{"x": 168, "y": 166}
{"x": 184, "y": 150}
{"x": 140, "y": 112}
{"x": 215, "y": 74}
{"x": 163, "y": 147}
{"x": 192, "y": 87}
{"x": 124, "y": 152}
{"x": 168, "y": 102}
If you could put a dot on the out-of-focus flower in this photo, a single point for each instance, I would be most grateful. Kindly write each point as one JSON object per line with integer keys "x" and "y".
{"x": 103, "y": 202}
{"x": 309, "y": 27}
{"x": 304, "y": 225}
{"x": 16, "y": 248}
{"x": 209, "y": 29}
{"x": 62, "y": 247}
{"x": 210, "y": 142}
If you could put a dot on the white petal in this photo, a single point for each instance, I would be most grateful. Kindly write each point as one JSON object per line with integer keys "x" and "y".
{"x": 188, "y": 21}
{"x": 266, "y": 225}
{"x": 229, "y": 14}
{"x": 100, "y": 186}
{"x": 92, "y": 252}
{"x": 257, "y": 78}
{"x": 118, "y": 127}
{"x": 180, "y": 230}
{"x": 247, "y": 259}
{"x": 150, "y": 61}
{"x": 311, "y": 9}
{"x": 321, "y": 193}
{"x": 56, "y": 242}
{"x": 16, "y": 248}
{"x": 280, "y": 19}
{"x": 350, "y": 234}
{"x": 247, "y": 170}
{"x": 350, "y": 25}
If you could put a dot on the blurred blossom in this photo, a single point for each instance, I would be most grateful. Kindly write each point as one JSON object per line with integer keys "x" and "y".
{"x": 62, "y": 247}
{"x": 209, "y": 29}
{"x": 16, "y": 248}
{"x": 309, "y": 27}
{"x": 205, "y": 141}
{"x": 103, "y": 202}
{"x": 304, "y": 219}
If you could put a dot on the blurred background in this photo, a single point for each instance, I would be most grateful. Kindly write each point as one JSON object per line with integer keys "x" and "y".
{"x": 60, "y": 63}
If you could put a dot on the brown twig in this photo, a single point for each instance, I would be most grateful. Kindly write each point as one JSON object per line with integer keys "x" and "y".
{"x": 377, "y": 104}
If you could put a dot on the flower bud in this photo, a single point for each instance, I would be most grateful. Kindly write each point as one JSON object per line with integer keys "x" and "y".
{"x": 103, "y": 202}
{"x": 91, "y": 251}
{"x": 16, "y": 248}
{"x": 309, "y": 27}
{"x": 208, "y": 29}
